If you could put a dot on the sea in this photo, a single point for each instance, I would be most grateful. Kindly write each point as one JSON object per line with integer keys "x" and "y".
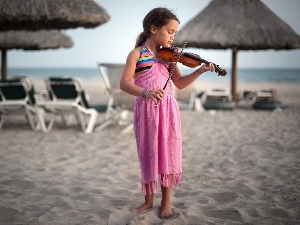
{"x": 287, "y": 75}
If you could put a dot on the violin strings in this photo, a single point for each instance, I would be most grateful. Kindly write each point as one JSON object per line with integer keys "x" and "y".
{"x": 172, "y": 71}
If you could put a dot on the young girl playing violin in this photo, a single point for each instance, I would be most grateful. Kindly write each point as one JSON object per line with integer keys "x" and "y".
{"x": 157, "y": 124}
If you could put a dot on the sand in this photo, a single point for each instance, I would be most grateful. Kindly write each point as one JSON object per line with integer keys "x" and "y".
{"x": 239, "y": 167}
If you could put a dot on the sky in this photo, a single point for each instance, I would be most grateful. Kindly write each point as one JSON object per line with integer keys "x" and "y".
{"x": 112, "y": 41}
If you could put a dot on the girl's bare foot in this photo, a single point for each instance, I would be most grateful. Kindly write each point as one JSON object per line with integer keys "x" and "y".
{"x": 144, "y": 207}
{"x": 166, "y": 211}
{"x": 149, "y": 198}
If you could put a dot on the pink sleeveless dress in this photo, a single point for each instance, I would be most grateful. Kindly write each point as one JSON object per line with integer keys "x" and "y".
{"x": 158, "y": 131}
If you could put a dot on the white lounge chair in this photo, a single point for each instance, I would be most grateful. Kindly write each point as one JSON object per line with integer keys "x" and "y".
{"x": 217, "y": 99}
{"x": 118, "y": 102}
{"x": 185, "y": 97}
{"x": 267, "y": 99}
{"x": 67, "y": 100}
{"x": 17, "y": 97}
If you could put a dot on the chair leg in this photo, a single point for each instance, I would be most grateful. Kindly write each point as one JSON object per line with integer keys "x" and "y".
{"x": 81, "y": 119}
{"x": 104, "y": 124}
{"x": 40, "y": 114}
{"x": 127, "y": 128}
{"x": 192, "y": 100}
{"x": 31, "y": 118}
{"x": 1, "y": 120}
{"x": 123, "y": 117}
{"x": 87, "y": 127}
{"x": 92, "y": 121}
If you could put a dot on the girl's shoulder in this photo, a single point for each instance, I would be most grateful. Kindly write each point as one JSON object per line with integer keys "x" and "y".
{"x": 138, "y": 49}
{"x": 135, "y": 53}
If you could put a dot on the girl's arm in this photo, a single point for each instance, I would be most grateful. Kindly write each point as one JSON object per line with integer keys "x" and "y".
{"x": 183, "y": 81}
{"x": 126, "y": 82}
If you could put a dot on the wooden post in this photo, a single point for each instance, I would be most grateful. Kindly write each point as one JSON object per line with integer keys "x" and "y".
{"x": 3, "y": 65}
{"x": 234, "y": 75}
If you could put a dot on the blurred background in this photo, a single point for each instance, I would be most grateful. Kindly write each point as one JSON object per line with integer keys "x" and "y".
{"x": 112, "y": 41}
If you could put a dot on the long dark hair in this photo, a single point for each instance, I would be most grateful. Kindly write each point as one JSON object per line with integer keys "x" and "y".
{"x": 157, "y": 17}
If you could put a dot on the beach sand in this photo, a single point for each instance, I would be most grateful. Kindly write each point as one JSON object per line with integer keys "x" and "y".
{"x": 239, "y": 167}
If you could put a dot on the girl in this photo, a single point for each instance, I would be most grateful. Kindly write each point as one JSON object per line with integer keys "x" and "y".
{"x": 157, "y": 125}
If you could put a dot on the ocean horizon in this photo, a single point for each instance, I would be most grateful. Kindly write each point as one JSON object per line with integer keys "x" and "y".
{"x": 289, "y": 75}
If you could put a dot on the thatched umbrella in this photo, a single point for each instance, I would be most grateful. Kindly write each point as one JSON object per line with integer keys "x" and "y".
{"x": 50, "y": 14}
{"x": 31, "y": 40}
{"x": 36, "y": 15}
{"x": 238, "y": 25}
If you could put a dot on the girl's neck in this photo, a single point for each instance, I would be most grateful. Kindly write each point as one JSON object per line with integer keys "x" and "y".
{"x": 152, "y": 46}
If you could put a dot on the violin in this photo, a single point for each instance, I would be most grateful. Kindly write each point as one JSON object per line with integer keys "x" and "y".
{"x": 187, "y": 59}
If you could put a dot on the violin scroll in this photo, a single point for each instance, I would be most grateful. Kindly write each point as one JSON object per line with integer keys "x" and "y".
{"x": 220, "y": 71}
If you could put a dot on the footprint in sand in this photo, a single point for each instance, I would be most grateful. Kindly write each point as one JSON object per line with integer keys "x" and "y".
{"x": 19, "y": 184}
{"x": 120, "y": 217}
{"x": 223, "y": 198}
{"x": 7, "y": 214}
{"x": 227, "y": 214}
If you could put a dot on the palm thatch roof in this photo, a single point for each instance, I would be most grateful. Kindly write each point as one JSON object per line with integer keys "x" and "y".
{"x": 30, "y": 40}
{"x": 50, "y": 14}
{"x": 34, "y": 40}
{"x": 238, "y": 24}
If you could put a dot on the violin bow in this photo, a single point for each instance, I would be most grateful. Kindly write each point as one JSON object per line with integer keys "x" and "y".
{"x": 172, "y": 71}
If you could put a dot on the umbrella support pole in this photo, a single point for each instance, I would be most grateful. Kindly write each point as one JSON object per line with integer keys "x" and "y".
{"x": 3, "y": 65}
{"x": 234, "y": 75}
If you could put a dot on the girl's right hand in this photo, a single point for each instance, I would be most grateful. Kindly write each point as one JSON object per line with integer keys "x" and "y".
{"x": 155, "y": 95}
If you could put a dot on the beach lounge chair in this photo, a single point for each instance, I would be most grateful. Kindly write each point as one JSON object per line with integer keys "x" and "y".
{"x": 67, "y": 101}
{"x": 17, "y": 97}
{"x": 118, "y": 102}
{"x": 217, "y": 99}
{"x": 267, "y": 99}
{"x": 185, "y": 97}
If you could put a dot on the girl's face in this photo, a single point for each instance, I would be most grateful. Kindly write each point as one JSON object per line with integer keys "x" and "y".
{"x": 164, "y": 35}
